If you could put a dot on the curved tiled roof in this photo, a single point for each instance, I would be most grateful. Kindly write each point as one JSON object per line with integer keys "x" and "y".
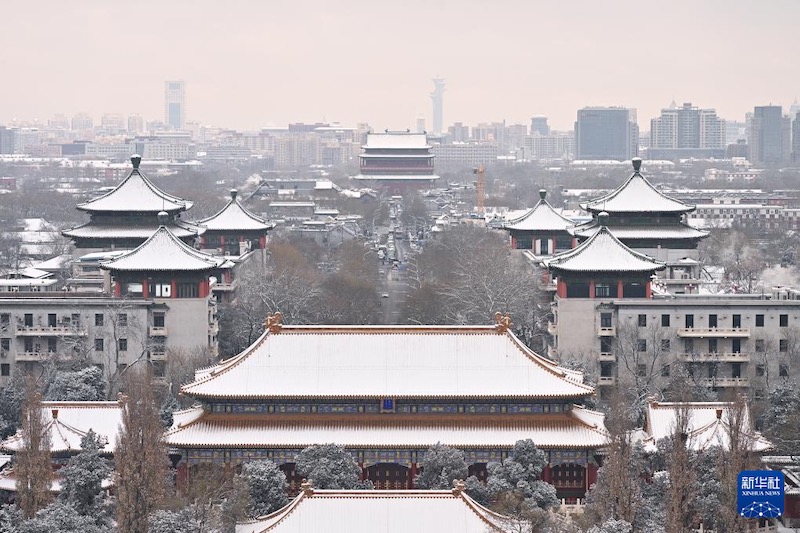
{"x": 636, "y": 195}
{"x": 542, "y": 217}
{"x": 136, "y": 194}
{"x": 603, "y": 252}
{"x": 386, "y": 361}
{"x": 235, "y": 217}
{"x": 672, "y": 231}
{"x": 163, "y": 251}
{"x": 559, "y": 431}
{"x": 91, "y": 230}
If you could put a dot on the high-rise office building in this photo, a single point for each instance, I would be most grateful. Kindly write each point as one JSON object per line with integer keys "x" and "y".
{"x": 135, "y": 123}
{"x": 420, "y": 124}
{"x": 770, "y": 136}
{"x": 687, "y": 131}
{"x": 796, "y": 137}
{"x": 7, "y": 140}
{"x": 437, "y": 97}
{"x": 539, "y": 125}
{"x": 175, "y": 104}
{"x": 609, "y": 133}
{"x": 82, "y": 121}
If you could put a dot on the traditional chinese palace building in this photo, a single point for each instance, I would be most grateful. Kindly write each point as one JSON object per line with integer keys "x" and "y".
{"x": 652, "y": 223}
{"x": 542, "y": 230}
{"x": 128, "y": 215}
{"x": 388, "y": 393}
{"x": 397, "y": 160}
{"x": 234, "y": 230}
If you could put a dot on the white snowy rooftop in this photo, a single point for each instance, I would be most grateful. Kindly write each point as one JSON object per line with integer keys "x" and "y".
{"x": 709, "y": 424}
{"x": 384, "y": 511}
{"x": 603, "y": 252}
{"x": 576, "y": 429}
{"x": 636, "y": 195}
{"x": 667, "y": 231}
{"x": 235, "y": 217}
{"x": 399, "y": 139}
{"x": 163, "y": 251}
{"x": 541, "y": 218}
{"x": 69, "y": 422}
{"x": 90, "y": 230}
{"x": 396, "y": 177}
{"x": 136, "y": 194}
{"x": 386, "y": 361}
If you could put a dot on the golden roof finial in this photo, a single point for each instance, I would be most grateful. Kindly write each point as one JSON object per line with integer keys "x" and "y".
{"x": 502, "y": 322}
{"x": 274, "y": 322}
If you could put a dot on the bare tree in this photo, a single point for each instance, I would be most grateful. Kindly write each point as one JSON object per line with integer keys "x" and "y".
{"x": 642, "y": 356}
{"x": 33, "y": 464}
{"x": 680, "y": 513}
{"x": 140, "y": 457}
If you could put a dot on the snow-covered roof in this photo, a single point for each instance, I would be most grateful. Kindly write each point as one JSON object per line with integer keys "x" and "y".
{"x": 69, "y": 422}
{"x": 708, "y": 424}
{"x": 388, "y": 511}
{"x": 235, "y": 217}
{"x": 541, "y": 218}
{"x": 603, "y": 252}
{"x": 387, "y": 361}
{"x": 666, "y": 231}
{"x": 401, "y": 140}
{"x": 396, "y": 177}
{"x": 163, "y": 251}
{"x": 636, "y": 195}
{"x": 90, "y": 230}
{"x": 136, "y": 193}
{"x": 575, "y": 429}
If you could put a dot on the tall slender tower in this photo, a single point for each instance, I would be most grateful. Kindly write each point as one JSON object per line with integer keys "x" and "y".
{"x": 175, "y": 105}
{"x": 436, "y": 97}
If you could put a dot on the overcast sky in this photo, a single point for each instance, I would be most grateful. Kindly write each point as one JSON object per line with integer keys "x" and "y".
{"x": 253, "y": 63}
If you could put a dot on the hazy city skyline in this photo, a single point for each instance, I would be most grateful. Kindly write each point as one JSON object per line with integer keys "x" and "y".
{"x": 251, "y": 64}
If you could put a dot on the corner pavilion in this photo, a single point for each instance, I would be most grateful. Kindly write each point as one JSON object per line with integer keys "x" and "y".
{"x": 388, "y": 393}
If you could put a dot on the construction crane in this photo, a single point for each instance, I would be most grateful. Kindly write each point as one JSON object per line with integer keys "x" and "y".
{"x": 480, "y": 188}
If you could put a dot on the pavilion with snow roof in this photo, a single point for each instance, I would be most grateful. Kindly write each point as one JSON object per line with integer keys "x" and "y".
{"x": 234, "y": 229}
{"x": 541, "y": 229}
{"x": 388, "y": 393}
{"x": 440, "y": 511}
{"x": 126, "y": 216}
{"x": 650, "y": 222}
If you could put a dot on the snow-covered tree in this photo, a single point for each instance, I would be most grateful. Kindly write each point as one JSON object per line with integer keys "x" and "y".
{"x": 83, "y": 476}
{"x": 61, "y": 517}
{"x": 266, "y": 487}
{"x": 33, "y": 465}
{"x": 10, "y": 518}
{"x": 168, "y": 406}
{"x": 782, "y": 418}
{"x": 612, "y": 526}
{"x": 441, "y": 466}
{"x": 180, "y": 521}
{"x": 86, "y": 384}
{"x": 330, "y": 466}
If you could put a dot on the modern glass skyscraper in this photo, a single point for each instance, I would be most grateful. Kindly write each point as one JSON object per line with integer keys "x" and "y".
{"x": 175, "y": 104}
{"x": 770, "y": 136}
{"x": 606, "y": 133}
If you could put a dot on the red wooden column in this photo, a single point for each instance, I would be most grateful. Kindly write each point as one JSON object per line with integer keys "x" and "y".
{"x": 648, "y": 290}
{"x": 619, "y": 289}
{"x": 412, "y": 473}
{"x": 117, "y": 289}
{"x": 561, "y": 289}
{"x": 547, "y": 474}
{"x": 145, "y": 289}
{"x": 591, "y": 288}
{"x": 174, "y": 289}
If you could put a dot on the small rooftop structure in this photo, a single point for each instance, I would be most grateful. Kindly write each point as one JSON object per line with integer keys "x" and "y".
{"x": 235, "y": 217}
{"x": 542, "y": 217}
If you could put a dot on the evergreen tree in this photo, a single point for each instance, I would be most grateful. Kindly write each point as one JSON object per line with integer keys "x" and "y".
{"x": 441, "y": 466}
{"x": 33, "y": 465}
{"x": 266, "y": 487}
{"x": 140, "y": 457}
{"x": 330, "y": 466}
{"x": 83, "y": 477}
{"x": 61, "y": 517}
{"x": 86, "y": 384}
{"x": 180, "y": 521}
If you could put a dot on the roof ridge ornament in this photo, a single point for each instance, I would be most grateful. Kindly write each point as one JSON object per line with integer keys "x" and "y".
{"x": 307, "y": 487}
{"x": 502, "y": 322}
{"x": 637, "y": 164}
{"x": 274, "y": 323}
{"x": 458, "y": 487}
{"x": 136, "y": 160}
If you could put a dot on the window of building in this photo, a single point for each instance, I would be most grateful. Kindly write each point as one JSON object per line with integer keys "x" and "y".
{"x": 606, "y": 344}
{"x": 5, "y": 344}
{"x": 760, "y": 370}
{"x": 523, "y": 243}
{"x": 783, "y": 370}
{"x": 158, "y": 320}
{"x": 188, "y": 290}
{"x": 544, "y": 246}
{"x": 51, "y": 320}
{"x": 688, "y": 345}
{"x": 712, "y": 345}
{"x": 759, "y": 345}
{"x": 664, "y": 321}
{"x": 712, "y": 371}
{"x": 784, "y": 321}
{"x": 737, "y": 321}
{"x": 5, "y": 369}
{"x": 665, "y": 371}
{"x": 783, "y": 345}
{"x": 159, "y": 369}
{"x": 123, "y": 319}
{"x": 712, "y": 321}
{"x": 161, "y": 290}
{"x": 606, "y": 369}
{"x": 98, "y": 319}
{"x": 759, "y": 321}
{"x": 98, "y": 345}
{"x": 123, "y": 345}
{"x": 736, "y": 370}
{"x": 690, "y": 369}
{"x": 5, "y": 318}
{"x": 664, "y": 345}
{"x": 641, "y": 370}
{"x": 28, "y": 320}
{"x": 605, "y": 320}
{"x": 563, "y": 243}
{"x": 642, "y": 321}
{"x": 736, "y": 345}
{"x": 689, "y": 321}
{"x": 52, "y": 345}
{"x": 641, "y": 345}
